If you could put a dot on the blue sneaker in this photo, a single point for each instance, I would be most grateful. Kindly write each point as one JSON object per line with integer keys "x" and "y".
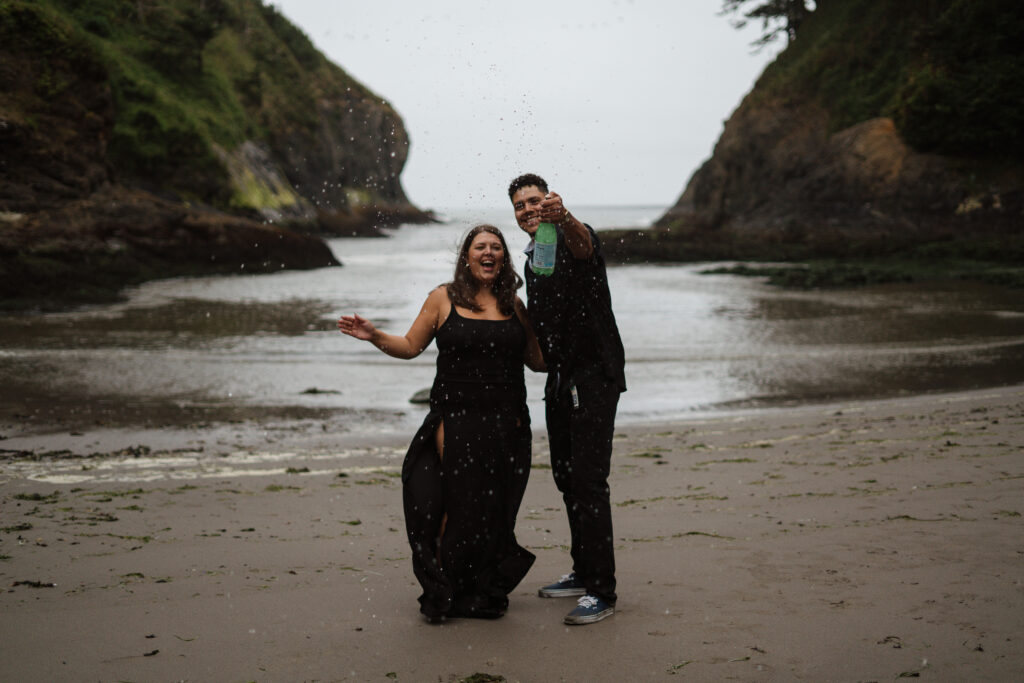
{"x": 566, "y": 587}
{"x": 589, "y": 609}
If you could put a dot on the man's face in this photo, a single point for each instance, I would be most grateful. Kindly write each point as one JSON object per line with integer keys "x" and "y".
{"x": 526, "y": 203}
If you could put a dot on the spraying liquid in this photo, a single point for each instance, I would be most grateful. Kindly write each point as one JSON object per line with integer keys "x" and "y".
{"x": 544, "y": 241}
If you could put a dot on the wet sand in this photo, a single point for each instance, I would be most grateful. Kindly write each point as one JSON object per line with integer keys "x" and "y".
{"x": 862, "y": 541}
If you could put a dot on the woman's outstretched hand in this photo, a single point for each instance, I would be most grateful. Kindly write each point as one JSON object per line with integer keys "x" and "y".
{"x": 356, "y": 326}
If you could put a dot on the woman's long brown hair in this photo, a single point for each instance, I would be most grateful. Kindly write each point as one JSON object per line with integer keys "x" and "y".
{"x": 463, "y": 287}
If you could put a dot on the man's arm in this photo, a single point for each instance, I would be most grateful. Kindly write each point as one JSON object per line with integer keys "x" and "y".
{"x": 577, "y": 237}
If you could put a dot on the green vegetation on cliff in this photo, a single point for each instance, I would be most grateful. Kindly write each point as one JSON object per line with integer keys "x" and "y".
{"x": 948, "y": 72}
{"x": 190, "y": 82}
{"x": 883, "y": 144}
{"x": 153, "y": 138}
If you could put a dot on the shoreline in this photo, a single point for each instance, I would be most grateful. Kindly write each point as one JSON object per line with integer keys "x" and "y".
{"x": 859, "y": 540}
{"x": 38, "y": 425}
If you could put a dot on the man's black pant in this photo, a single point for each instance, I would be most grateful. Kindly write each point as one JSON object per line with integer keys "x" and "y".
{"x": 580, "y": 427}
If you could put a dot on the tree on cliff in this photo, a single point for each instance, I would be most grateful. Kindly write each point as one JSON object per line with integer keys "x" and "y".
{"x": 777, "y": 16}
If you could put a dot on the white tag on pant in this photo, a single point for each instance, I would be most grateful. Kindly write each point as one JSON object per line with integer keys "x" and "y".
{"x": 575, "y": 396}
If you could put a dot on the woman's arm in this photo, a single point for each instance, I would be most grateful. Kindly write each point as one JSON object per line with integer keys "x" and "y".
{"x": 532, "y": 355}
{"x": 419, "y": 336}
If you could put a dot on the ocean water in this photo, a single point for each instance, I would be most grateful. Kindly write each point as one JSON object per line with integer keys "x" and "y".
{"x": 695, "y": 343}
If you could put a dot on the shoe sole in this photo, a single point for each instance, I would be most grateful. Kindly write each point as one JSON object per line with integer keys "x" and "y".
{"x": 561, "y": 592}
{"x": 590, "y": 618}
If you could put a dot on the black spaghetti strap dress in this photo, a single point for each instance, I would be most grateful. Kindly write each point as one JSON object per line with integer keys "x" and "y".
{"x": 480, "y": 394}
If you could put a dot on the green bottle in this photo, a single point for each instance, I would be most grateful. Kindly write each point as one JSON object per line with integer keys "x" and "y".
{"x": 544, "y": 241}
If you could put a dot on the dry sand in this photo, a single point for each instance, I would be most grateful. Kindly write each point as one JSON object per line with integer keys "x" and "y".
{"x": 864, "y": 541}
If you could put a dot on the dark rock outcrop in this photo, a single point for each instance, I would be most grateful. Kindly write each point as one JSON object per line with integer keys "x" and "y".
{"x": 779, "y": 176}
{"x": 85, "y": 250}
{"x": 883, "y": 127}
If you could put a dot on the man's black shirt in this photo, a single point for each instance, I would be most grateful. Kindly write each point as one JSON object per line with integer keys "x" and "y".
{"x": 571, "y": 313}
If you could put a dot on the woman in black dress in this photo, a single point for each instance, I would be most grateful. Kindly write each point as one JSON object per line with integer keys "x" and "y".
{"x": 466, "y": 470}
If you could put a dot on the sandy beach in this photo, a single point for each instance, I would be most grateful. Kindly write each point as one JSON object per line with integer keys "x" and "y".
{"x": 861, "y": 541}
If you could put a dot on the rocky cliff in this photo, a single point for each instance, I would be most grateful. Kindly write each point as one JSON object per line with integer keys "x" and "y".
{"x": 882, "y": 127}
{"x": 166, "y": 137}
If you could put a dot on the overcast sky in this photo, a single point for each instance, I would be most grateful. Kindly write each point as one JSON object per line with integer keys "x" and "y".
{"x": 612, "y": 101}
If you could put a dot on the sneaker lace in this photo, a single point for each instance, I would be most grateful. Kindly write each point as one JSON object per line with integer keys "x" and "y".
{"x": 566, "y": 578}
{"x": 587, "y": 601}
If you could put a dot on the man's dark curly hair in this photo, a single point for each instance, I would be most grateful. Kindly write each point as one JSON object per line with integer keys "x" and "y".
{"x": 463, "y": 287}
{"x": 526, "y": 180}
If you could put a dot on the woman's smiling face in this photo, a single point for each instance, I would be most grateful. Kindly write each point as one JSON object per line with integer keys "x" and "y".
{"x": 486, "y": 257}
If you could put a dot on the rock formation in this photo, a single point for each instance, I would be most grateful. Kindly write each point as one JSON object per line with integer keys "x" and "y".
{"x": 165, "y": 137}
{"x": 778, "y": 175}
{"x": 882, "y": 127}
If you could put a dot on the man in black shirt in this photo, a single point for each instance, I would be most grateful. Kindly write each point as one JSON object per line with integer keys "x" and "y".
{"x": 571, "y": 312}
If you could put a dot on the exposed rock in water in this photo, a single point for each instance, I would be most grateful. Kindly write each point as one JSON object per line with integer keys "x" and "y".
{"x": 421, "y": 396}
{"x": 315, "y": 391}
{"x": 86, "y": 250}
